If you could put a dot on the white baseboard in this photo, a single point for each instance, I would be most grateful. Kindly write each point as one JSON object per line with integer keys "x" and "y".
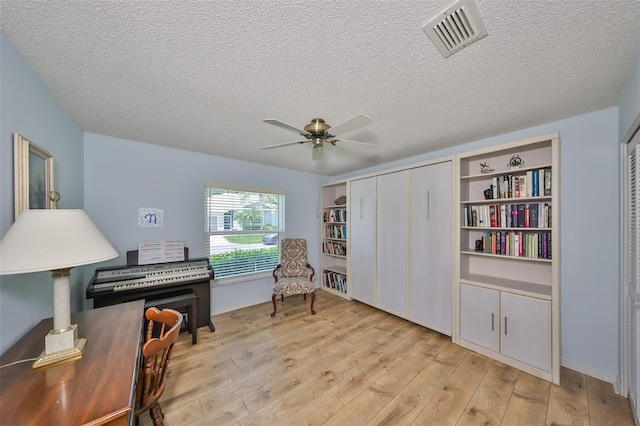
{"x": 593, "y": 372}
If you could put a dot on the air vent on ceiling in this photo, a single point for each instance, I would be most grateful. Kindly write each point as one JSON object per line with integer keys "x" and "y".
{"x": 457, "y": 27}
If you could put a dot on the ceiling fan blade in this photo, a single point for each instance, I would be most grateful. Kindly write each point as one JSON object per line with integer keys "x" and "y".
{"x": 351, "y": 124}
{"x": 287, "y": 127}
{"x": 282, "y": 144}
{"x": 350, "y": 141}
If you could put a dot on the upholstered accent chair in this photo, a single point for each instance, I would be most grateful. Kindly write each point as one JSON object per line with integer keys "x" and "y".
{"x": 291, "y": 276}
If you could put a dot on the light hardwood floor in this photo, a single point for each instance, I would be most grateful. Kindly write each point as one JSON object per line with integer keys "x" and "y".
{"x": 351, "y": 364}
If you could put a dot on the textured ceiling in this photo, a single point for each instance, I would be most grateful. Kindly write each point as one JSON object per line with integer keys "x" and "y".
{"x": 202, "y": 75}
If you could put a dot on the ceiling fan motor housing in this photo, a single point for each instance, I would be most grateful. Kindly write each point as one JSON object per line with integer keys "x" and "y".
{"x": 317, "y": 127}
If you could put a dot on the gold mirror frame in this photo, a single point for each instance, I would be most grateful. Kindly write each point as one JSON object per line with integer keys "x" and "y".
{"x": 31, "y": 177}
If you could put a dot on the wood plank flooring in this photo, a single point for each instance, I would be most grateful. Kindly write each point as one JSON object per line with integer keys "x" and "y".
{"x": 351, "y": 364}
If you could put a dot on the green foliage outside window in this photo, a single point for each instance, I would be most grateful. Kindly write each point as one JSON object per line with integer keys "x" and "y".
{"x": 244, "y": 261}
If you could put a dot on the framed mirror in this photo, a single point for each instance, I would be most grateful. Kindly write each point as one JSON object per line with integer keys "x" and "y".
{"x": 33, "y": 176}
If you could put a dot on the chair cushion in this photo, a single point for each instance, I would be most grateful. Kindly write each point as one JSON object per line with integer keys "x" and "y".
{"x": 294, "y": 258}
{"x": 293, "y": 285}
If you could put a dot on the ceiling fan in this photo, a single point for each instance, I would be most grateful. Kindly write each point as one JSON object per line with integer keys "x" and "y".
{"x": 318, "y": 132}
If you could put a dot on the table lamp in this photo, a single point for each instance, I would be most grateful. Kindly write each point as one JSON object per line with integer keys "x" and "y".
{"x": 56, "y": 241}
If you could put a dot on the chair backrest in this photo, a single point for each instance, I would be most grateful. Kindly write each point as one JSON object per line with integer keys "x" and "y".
{"x": 162, "y": 332}
{"x": 293, "y": 257}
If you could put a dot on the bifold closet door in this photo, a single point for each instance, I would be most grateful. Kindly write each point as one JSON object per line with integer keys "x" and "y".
{"x": 431, "y": 241}
{"x": 392, "y": 242}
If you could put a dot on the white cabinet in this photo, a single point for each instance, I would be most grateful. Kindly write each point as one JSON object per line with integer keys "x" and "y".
{"x": 362, "y": 240}
{"x": 401, "y": 242}
{"x": 512, "y": 325}
{"x": 392, "y": 250}
{"x": 479, "y": 316}
{"x": 526, "y": 329}
{"x": 431, "y": 245}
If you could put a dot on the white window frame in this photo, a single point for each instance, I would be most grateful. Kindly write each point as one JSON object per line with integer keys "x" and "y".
{"x": 221, "y": 219}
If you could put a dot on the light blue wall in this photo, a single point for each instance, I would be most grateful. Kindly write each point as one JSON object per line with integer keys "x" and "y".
{"x": 630, "y": 102}
{"x": 589, "y": 232}
{"x": 123, "y": 176}
{"x": 29, "y": 108}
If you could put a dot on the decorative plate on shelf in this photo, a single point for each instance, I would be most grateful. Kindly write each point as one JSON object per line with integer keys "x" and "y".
{"x": 341, "y": 200}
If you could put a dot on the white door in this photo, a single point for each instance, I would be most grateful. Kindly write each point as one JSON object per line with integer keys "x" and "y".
{"x": 362, "y": 239}
{"x": 392, "y": 242}
{"x": 430, "y": 224}
{"x": 526, "y": 329}
{"x": 480, "y": 316}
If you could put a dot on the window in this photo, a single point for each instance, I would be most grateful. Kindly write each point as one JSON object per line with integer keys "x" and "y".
{"x": 243, "y": 227}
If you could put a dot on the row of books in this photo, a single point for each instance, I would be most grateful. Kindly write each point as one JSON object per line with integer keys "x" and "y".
{"x": 335, "y": 231}
{"x": 532, "y": 215}
{"x": 535, "y": 183}
{"x": 535, "y": 245}
{"x": 334, "y": 280}
{"x": 335, "y": 215}
{"x": 332, "y": 247}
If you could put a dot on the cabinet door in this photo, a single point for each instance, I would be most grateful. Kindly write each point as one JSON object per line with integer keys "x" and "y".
{"x": 431, "y": 227}
{"x": 362, "y": 238}
{"x": 392, "y": 245}
{"x": 526, "y": 330}
{"x": 479, "y": 316}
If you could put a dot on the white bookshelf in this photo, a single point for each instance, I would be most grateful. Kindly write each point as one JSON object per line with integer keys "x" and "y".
{"x": 507, "y": 289}
{"x": 334, "y": 235}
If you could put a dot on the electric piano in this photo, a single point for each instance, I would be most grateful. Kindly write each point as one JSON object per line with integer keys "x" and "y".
{"x": 119, "y": 284}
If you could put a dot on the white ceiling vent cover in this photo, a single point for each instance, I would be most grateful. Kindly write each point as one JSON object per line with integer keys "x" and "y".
{"x": 457, "y": 27}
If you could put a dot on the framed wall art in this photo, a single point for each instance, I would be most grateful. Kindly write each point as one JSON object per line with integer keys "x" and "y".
{"x": 33, "y": 176}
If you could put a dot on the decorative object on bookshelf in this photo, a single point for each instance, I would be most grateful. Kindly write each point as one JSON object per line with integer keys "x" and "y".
{"x": 485, "y": 168}
{"x": 488, "y": 193}
{"x": 341, "y": 200}
{"x": 515, "y": 162}
{"x": 479, "y": 245}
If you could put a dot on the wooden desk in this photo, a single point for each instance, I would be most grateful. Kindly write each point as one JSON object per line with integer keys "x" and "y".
{"x": 97, "y": 389}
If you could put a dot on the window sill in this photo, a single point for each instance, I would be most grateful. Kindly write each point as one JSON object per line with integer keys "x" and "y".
{"x": 241, "y": 279}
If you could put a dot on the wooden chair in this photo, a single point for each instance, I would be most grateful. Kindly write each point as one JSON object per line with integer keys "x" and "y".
{"x": 291, "y": 276}
{"x": 162, "y": 332}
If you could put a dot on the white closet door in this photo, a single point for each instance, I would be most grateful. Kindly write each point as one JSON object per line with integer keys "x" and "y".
{"x": 431, "y": 215}
{"x": 362, "y": 240}
{"x": 392, "y": 242}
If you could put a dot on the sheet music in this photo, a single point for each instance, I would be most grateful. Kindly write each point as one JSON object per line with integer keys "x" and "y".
{"x": 160, "y": 252}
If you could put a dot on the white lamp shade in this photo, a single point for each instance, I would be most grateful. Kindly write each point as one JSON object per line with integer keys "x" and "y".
{"x": 46, "y": 240}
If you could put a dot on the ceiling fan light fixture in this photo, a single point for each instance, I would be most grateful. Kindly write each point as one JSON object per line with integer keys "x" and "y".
{"x": 317, "y": 152}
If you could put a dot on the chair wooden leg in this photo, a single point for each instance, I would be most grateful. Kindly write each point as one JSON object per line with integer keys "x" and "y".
{"x": 273, "y": 300}
{"x": 313, "y": 299}
{"x": 155, "y": 416}
{"x": 304, "y": 297}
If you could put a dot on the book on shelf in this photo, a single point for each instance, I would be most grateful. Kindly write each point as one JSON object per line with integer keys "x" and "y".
{"x": 334, "y": 280}
{"x": 508, "y": 215}
{"x": 533, "y": 245}
{"x": 547, "y": 182}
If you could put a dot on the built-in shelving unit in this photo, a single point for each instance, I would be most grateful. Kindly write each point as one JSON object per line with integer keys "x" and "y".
{"x": 508, "y": 248}
{"x": 334, "y": 232}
